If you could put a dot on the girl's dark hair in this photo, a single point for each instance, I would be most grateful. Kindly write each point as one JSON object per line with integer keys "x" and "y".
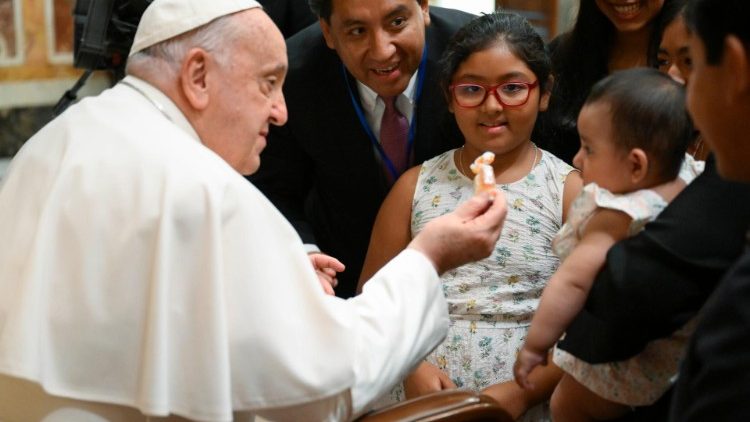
{"x": 672, "y": 10}
{"x": 580, "y": 58}
{"x": 648, "y": 111}
{"x": 484, "y": 31}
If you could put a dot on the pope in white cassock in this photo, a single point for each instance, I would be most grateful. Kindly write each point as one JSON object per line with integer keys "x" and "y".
{"x": 142, "y": 275}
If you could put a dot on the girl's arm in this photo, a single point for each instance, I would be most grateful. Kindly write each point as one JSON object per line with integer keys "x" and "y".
{"x": 391, "y": 232}
{"x": 566, "y": 292}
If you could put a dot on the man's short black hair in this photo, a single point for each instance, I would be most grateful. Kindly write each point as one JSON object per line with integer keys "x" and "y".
{"x": 323, "y": 8}
{"x": 714, "y": 20}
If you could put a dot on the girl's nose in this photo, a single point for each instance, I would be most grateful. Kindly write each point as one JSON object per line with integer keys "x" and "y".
{"x": 675, "y": 73}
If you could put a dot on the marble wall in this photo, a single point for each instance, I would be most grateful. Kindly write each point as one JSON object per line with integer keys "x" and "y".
{"x": 11, "y": 35}
{"x": 36, "y": 56}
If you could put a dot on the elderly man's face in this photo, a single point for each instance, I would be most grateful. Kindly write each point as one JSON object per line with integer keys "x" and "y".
{"x": 247, "y": 97}
{"x": 379, "y": 41}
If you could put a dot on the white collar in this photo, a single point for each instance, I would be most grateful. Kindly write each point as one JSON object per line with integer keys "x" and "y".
{"x": 369, "y": 97}
{"x": 162, "y": 103}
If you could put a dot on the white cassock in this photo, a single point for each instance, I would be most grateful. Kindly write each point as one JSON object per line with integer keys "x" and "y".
{"x": 140, "y": 269}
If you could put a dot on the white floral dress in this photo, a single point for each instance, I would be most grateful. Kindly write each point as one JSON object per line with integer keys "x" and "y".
{"x": 642, "y": 379}
{"x": 491, "y": 302}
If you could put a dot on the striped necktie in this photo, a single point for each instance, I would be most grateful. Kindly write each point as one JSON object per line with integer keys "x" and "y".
{"x": 394, "y": 134}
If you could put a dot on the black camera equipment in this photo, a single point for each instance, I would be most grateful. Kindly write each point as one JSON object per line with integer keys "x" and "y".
{"x": 104, "y": 31}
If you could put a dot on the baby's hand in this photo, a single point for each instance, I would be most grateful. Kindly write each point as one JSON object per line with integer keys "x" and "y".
{"x": 326, "y": 268}
{"x": 526, "y": 361}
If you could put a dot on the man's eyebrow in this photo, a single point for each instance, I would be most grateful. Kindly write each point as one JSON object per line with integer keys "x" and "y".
{"x": 352, "y": 22}
{"x": 399, "y": 10}
{"x": 276, "y": 69}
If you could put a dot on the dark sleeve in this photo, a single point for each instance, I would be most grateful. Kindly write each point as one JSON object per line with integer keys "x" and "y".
{"x": 284, "y": 177}
{"x": 714, "y": 380}
{"x": 299, "y": 16}
{"x": 287, "y": 173}
{"x": 290, "y": 16}
{"x": 655, "y": 281}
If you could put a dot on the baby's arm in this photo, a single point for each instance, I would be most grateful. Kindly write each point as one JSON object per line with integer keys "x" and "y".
{"x": 566, "y": 292}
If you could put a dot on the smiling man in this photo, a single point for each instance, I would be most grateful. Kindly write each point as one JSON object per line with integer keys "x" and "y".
{"x": 364, "y": 105}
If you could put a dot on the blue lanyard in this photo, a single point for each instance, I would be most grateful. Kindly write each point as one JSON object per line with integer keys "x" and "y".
{"x": 412, "y": 125}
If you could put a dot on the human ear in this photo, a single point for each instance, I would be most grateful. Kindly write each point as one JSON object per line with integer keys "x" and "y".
{"x": 193, "y": 75}
{"x": 544, "y": 100}
{"x": 639, "y": 164}
{"x": 425, "y": 5}
{"x": 736, "y": 66}
{"x": 326, "y": 29}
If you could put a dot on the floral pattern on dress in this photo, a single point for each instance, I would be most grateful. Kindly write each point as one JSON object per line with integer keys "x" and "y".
{"x": 491, "y": 302}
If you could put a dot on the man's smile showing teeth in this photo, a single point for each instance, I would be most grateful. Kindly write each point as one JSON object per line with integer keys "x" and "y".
{"x": 386, "y": 70}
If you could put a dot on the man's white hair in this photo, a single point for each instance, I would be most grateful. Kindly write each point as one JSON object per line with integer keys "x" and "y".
{"x": 217, "y": 37}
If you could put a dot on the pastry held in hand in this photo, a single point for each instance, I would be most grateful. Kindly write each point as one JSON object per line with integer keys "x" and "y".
{"x": 484, "y": 181}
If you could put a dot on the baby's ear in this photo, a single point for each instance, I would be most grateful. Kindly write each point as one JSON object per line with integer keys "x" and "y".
{"x": 638, "y": 165}
{"x": 544, "y": 100}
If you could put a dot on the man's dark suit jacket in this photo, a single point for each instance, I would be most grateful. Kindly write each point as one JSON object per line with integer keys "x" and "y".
{"x": 714, "y": 380}
{"x": 657, "y": 280}
{"x": 321, "y": 170}
{"x": 290, "y": 16}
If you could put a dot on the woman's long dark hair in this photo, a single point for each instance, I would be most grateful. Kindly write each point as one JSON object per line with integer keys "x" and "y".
{"x": 580, "y": 58}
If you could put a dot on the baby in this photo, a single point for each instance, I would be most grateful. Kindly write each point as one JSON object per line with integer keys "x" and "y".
{"x": 634, "y": 131}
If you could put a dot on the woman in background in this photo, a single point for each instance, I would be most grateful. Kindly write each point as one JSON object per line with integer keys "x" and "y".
{"x": 675, "y": 60}
{"x": 607, "y": 36}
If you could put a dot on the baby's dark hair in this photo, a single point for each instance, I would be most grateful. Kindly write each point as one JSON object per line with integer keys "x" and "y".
{"x": 648, "y": 112}
{"x": 484, "y": 31}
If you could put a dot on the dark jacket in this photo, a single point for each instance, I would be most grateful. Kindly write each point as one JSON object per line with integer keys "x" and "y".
{"x": 290, "y": 16}
{"x": 657, "y": 280}
{"x": 320, "y": 169}
{"x": 714, "y": 380}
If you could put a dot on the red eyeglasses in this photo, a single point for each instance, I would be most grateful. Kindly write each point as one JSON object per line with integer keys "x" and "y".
{"x": 509, "y": 94}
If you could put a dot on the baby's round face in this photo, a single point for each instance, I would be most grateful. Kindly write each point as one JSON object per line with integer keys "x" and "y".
{"x": 600, "y": 159}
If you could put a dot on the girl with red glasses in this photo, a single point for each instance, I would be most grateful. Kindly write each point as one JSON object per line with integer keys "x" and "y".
{"x": 496, "y": 78}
